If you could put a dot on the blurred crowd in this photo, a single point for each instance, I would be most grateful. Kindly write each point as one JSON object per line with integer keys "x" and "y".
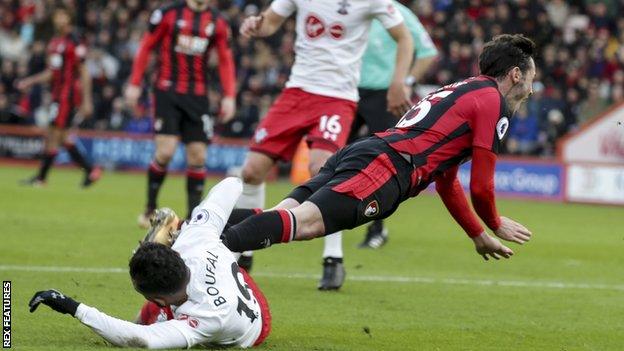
{"x": 580, "y": 60}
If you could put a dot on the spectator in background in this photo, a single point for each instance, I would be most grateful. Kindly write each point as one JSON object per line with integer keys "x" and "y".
{"x": 593, "y": 104}
{"x": 523, "y": 133}
{"x": 577, "y": 39}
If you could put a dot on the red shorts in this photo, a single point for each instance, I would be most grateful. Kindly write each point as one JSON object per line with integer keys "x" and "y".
{"x": 264, "y": 307}
{"x": 63, "y": 113}
{"x": 324, "y": 121}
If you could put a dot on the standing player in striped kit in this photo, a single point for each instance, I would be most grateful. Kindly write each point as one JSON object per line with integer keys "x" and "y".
{"x": 185, "y": 32}
{"x": 71, "y": 93}
{"x": 372, "y": 113}
{"x": 319, "y": 100}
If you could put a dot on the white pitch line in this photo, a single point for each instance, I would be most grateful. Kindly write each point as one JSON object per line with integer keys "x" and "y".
{"x": 361, "y": 278}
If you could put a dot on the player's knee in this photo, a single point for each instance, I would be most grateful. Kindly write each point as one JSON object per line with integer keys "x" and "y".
{"x": 196, "y": 159}
{"x": 163, "y": 157}
{"x": 318, "y": 158}
{"x": 315, "y": 166}
{"x": 253, "y": 173}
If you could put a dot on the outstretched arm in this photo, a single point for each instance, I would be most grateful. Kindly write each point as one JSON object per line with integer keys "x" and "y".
{"x": 37, "y": 78}
{"x": 452, "y": 195}
{"x": 264, "y": 25}
{"x": 164, "y": 335}
{"x": 227, "y": 72}
{"x": 169, "y": 334}
{"x": 398, "y": 97}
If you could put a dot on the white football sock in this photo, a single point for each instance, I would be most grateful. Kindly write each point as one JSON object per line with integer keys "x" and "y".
{"x": 333, "y": 245}
{"x": 252, "y": 197}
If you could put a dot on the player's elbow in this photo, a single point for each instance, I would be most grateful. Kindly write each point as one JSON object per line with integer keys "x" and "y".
{"x": 480, "y": 191}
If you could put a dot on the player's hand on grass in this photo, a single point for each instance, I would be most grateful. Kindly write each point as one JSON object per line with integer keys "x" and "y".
{"x": 228, "y": 109}
{"x": 132, "y": 95}
{"x": 398, "y": 99}
{"x": 511, "y": 230}
{"x": 56, "y": 300}
{"x": 488, "y": 246}
{"x": 251, "y": 26}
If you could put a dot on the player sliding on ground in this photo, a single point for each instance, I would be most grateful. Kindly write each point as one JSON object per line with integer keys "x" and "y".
{"x": 195, "y": 284}
{"x": 370, "y": 178}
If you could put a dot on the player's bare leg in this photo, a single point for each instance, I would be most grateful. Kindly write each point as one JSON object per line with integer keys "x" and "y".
{"x": 92, "y": 174}
{"x": 156, "y": 173}
{"x": 333, "y": 268}
{"x": 255, "y": 170}
{"x": 53, "y": 140}
{"x": 195, "y": 173}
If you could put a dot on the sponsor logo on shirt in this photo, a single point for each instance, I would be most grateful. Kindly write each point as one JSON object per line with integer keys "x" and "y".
{"x": 314, "y": 26}
{"x": 337, "y": 30}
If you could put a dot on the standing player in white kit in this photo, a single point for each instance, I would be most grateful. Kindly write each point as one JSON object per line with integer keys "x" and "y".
{"x": 319, "y": 101}
{"x": 211, "y": 301}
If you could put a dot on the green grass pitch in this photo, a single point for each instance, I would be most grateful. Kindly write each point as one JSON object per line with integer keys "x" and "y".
{"x": 425, "y": 290}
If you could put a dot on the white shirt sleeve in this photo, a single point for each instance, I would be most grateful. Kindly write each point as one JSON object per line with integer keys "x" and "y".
{"x": 284, "y": 8}
{"x": 170, "y": 334}
{"x": 386, "y": 13}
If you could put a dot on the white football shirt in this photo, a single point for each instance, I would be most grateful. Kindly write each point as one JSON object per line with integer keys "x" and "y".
{"x": 220, "y": 309}
{"x": 331, "y": 38}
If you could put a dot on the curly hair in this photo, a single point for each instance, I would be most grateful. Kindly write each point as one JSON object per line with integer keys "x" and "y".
{"x": 505, "y": 52}
{"x": 157, "y": 269}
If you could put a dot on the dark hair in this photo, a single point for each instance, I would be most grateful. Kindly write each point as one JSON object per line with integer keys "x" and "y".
{"x": 157, "y": 269}
{"x": 505, "y": 52}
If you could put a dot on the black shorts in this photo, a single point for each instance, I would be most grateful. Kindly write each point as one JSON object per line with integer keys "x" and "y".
{"x": 372, "y": 113}
{"x": 62, "y": 114}
{"x": 362, "y": 182}
{"x": 184, "y": 115}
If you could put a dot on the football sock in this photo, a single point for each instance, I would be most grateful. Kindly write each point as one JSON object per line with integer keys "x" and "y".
{"x": 333, "y": 245}
{"x": 252, "y": 197}
{"x": 195, "y": 177}
{"x": 77, "y": 157}
{"x": 46, "y": 163}
{"x": 240, "y": 214}
{"x": 376, "y": 226}
{"x": 155, "y": 176}
{"x": 260, "y": 231}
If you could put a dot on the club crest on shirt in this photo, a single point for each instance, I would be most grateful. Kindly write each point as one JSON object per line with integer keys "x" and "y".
{"x": 501, "y": 127}
{"x": 201, "y": 217}
{"x": 372, "y": 209}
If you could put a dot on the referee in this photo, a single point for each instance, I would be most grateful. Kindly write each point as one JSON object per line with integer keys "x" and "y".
{"x": 373, "y": 116}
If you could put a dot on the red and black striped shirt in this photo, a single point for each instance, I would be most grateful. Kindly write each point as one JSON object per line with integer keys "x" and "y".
{"x": 185, "y": 39}
{"x": 440, "y": 131}
{"x": 65, "y": 55}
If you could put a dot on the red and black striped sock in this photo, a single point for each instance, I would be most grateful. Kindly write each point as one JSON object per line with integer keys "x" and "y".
{"x": 260, "y": 231}
{"x": 78, "y": 157}
{"x": 195, "y": 177}
{"x": 46, "y": 163}
{"x": 156, "y": 174}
